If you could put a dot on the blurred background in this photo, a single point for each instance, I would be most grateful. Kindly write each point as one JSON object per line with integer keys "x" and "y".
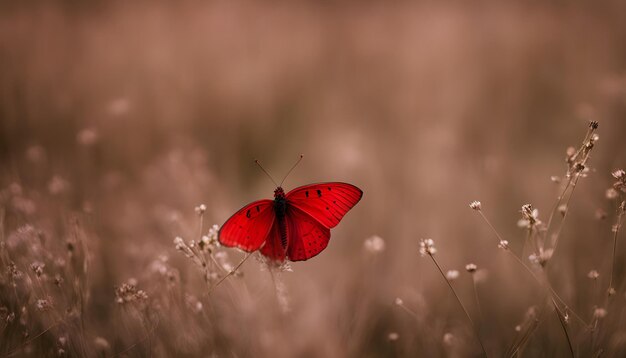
{"x": 124, "y": 116}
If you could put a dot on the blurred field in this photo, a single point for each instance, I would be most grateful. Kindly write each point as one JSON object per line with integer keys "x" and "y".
{"x": 117, "y": 119}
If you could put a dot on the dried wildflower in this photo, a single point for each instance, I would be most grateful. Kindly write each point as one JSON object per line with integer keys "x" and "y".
{"x": 374, "y": 244}
{"x": 593, "y": 125}
{"x": 611, "y": 291}
{"x": 593, "y": 274}
{"x": 579, "y": 167}
{"x": 619, "y": 174}
{"x": 542, "y": 257}
{"x": 471, "y": 268}
{"x": 44, "y": 304}
{"x": 13, "y": 272}
{"x": 452, "y": 275}
{"x": 200, "y": 209}
{"x": 128, "y": 293}
{"x": 475, "y": 205}
{"x": 427, "y": 247}
{"x": 503, "y": 244}
{"x": 530, "y": 217}
{"x": 562, "y": 209}
{"x": 393, "y": 336}
{"x": 37, "y": 268}
{"x": 58, "y": 280}
{"x": 599, "y": 313}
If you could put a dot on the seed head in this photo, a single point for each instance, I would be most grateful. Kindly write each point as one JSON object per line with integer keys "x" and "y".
{"x": 619, "y": 174}
{"x": 427, "y": 247}
{"x": 471, "y": 268}
{"x": 593, "y": 125}
{"x": 200, "y": 209}
{"x": 44, "y": 304}
{"x": 37, "y": 268}
{"x": 475, "y": 205}
{"x": 542, "y": 257}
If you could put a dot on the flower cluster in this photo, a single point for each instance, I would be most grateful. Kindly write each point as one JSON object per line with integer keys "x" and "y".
{"x": 475, "y": 205}
{"x": 427, "y": 247}
{"x": 530, "y": 217}
{"x": 620, "y": 183}
{"x": 128, "y": 293}
{"x": 542, "y": 257}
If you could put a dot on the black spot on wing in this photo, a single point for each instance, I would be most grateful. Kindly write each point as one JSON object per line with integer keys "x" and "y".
{"x": 248, "y": 214}
{"x": 306, "y": 193}
{"x": 319, "y": 193}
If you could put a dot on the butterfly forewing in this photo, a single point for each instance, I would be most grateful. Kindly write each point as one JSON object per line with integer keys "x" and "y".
{"x": 248, "y": 228}
{"x": 325, "y": 202}
{"x": 307, "y": 237}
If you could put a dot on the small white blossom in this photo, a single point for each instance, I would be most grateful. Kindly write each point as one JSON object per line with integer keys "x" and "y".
{"x": 503, "y": 244}
{"x": 471, "y": 268}
{"x": 542, "y": 257}
{"x": 200, "y": 209}
{"x": 530, "y": 217}
{"x": 475, "y": 205}
{"x": 593, "y": 274}
{"x": 619, "y": 174}
{"x": 393, "y": 336}
{"x": 427, "y": 247}
{"x": 398, "y": 301}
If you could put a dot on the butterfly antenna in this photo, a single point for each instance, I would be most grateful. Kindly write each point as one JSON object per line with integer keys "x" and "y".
{"x": 265, "y": 171}
{"x": 292, "y": 168}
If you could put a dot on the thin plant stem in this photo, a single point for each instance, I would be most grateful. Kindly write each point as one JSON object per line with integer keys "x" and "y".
{"x": 519, "y": 261}
{"x": 407, "y": 309}
{"x": 615, "y": 233}
{"x": 460, "y": 303}
{"x": 480, "y": 311}
{"x": 562, "y": 322}
{"x": 230, "y": 273}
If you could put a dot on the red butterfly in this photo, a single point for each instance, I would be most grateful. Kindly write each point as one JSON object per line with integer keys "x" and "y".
{"x": 294, "y": 226}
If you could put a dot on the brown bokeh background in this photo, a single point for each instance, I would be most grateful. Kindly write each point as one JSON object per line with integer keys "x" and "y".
{"x": 131, "y": 114}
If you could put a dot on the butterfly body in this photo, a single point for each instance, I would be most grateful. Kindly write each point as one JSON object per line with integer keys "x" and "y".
{"x": 294, "y": 226}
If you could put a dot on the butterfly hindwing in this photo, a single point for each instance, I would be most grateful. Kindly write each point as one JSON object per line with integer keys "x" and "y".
{"x": 307, "y": 237}
{"x": 325, "y": 202}
{"x": 249, "y": 227}
{"x": 273, "y": 248}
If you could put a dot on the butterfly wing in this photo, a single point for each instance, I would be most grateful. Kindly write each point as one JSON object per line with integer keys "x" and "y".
{"x": 325, "y": 202}
{"x": 307, "y": 237}
{"x": 249, "y": 227}
{"x": 273, "y": 248}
